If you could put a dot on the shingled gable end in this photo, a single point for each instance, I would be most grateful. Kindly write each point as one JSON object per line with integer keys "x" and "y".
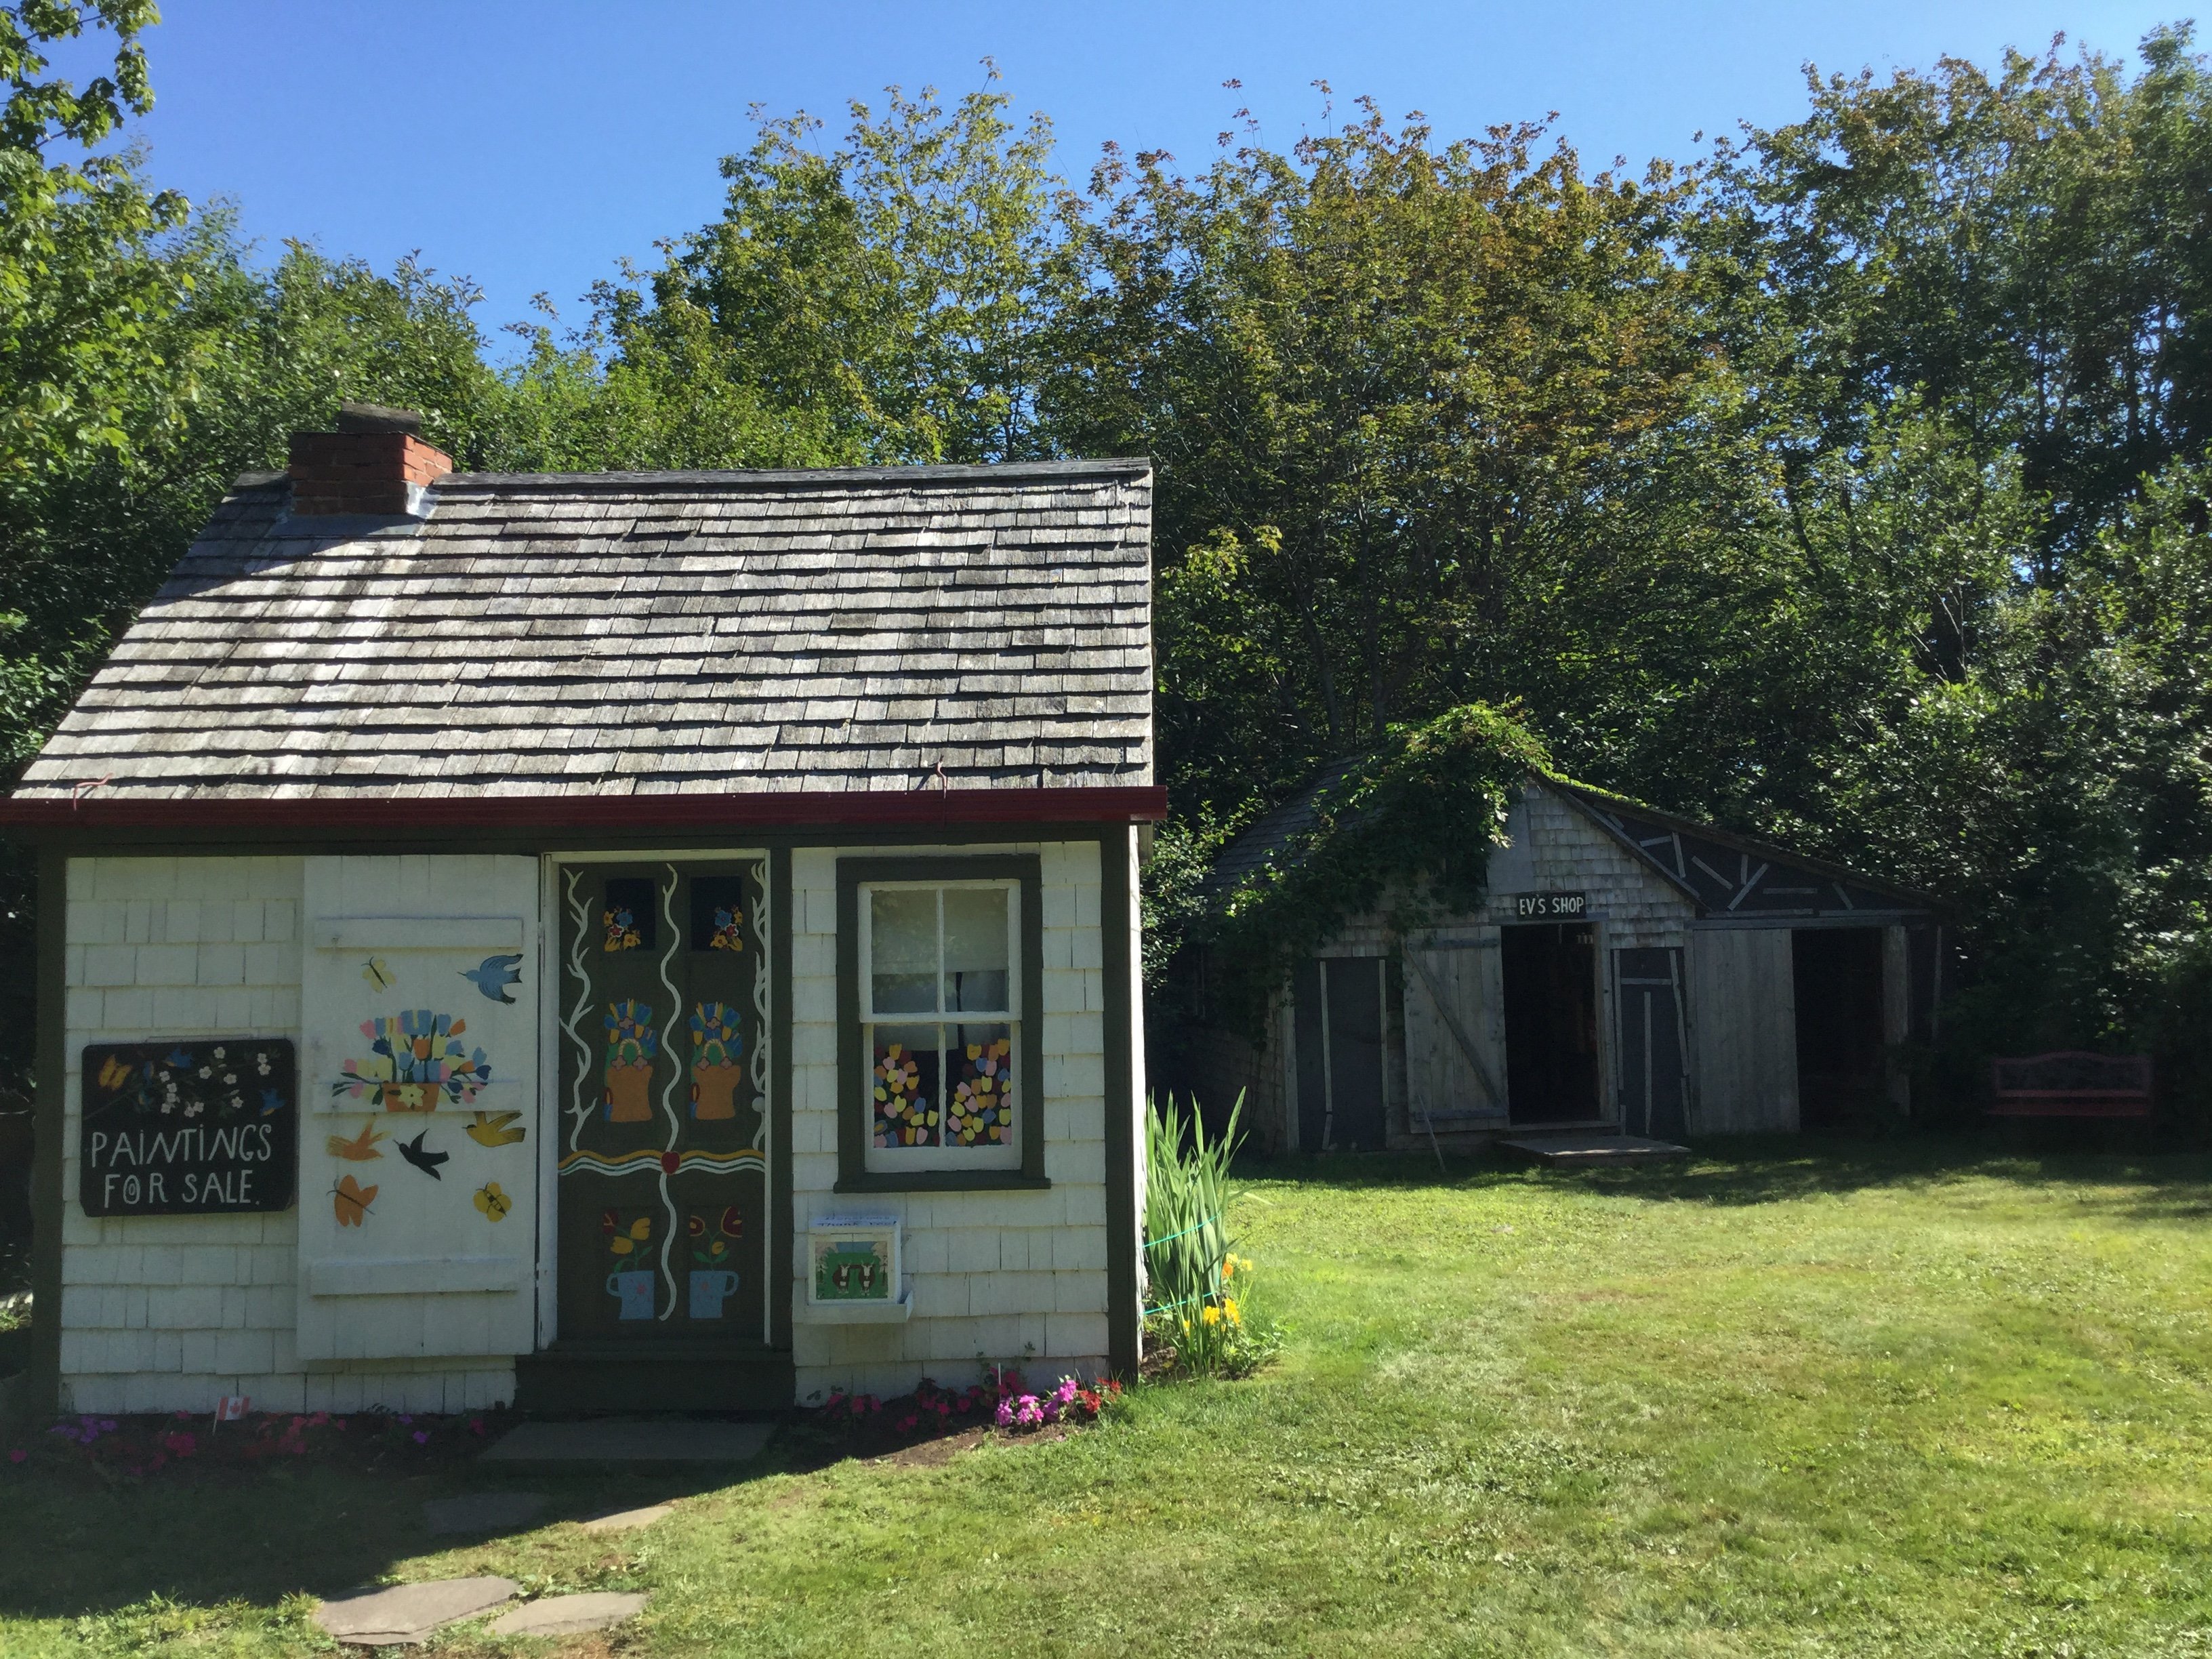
{"x": 732, "y": 872}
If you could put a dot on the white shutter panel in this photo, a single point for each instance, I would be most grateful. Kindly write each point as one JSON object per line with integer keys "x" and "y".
{"x": 438, "y": 958}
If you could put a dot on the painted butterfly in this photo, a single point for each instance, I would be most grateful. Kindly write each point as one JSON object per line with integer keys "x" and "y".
{"x": 350, "y": 1201}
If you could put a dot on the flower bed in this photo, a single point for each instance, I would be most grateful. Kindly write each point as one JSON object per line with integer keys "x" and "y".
{"x": 137, "y": 1447}
{"x": 1002, "y": 1402}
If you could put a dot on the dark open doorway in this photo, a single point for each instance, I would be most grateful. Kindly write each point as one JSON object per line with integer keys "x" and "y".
{"x": 1837, "y": 980}
{"x": 1550, "y": 1022}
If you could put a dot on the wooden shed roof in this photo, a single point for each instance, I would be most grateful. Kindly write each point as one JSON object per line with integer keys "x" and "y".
{"x": 1722, "y": 873}
{"x": 641, "y": 634}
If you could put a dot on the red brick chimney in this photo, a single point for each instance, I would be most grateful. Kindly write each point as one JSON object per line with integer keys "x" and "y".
{"x": 375, "y": 463}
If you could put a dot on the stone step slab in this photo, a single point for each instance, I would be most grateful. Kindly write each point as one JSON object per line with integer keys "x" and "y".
{"x": 570, "y": 1615}
{"x": 630, "y": 1440}
{"x": 406, "y": 1614}
{"x": 626, "y": 1520}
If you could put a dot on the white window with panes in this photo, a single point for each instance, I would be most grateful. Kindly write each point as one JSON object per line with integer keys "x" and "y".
{"x": 940, "y": 1012}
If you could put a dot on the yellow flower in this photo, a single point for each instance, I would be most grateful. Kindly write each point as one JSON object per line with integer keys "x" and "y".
{"x": 1209, "y": 1314}
{"x": 1229, "y": 1307}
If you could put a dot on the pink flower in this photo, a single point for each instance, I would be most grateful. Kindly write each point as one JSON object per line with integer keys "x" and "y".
{"x": 17, "y": 1456}
{"x": 1065, "y": 1394}
{"x": 1005, "y": 1416}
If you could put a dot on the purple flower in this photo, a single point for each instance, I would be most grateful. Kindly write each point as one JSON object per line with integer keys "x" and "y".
{"x": 421, "y": 1438}
{"x": 1006, "y": 1413}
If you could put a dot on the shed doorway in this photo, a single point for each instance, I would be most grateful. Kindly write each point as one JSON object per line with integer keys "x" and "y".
{"x": 1551, "y": 1023}
{"x": 1342, "y": 1084}
{"x": 1837, "y": 974}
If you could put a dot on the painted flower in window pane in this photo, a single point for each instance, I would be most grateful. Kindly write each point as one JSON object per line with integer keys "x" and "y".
{"x": 983, "y": 1112}
{"x": 903, "y": 1117}
{"x": 632, "y": 1044}
{"x": 718, "y": 1044}
{"x": 620, "y": 922}
{"x": 729, "y": 931}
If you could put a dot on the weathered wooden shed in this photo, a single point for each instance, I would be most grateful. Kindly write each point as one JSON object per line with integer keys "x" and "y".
{"x": 631, "y": 941}
{"x": 1629, "y": 972}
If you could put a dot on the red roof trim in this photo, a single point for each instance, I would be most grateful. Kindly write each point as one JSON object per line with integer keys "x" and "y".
{"x": 556, "y": 814}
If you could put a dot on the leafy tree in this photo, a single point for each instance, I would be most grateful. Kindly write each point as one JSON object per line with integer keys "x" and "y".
{"x": 886, "y": 302}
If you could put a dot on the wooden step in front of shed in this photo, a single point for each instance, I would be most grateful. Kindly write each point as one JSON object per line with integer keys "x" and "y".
{"x": 582, "y": 1377}
{"x": 1574, "y": 1151}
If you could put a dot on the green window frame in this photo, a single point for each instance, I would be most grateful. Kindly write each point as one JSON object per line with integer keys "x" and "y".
{"x": 855, "y": 1056}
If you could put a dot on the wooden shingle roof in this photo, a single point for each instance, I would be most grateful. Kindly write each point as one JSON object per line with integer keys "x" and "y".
{"x": 619, "y": 634}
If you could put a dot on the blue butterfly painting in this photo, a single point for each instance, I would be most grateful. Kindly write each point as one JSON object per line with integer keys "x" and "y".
{"x": 493, "y": 975}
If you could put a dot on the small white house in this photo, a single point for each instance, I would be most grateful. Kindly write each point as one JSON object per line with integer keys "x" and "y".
{"x": 1627, "y": 972}
{"x": 623, "y": 941}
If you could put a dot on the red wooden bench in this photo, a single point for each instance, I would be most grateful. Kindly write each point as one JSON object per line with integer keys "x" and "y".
{"x": 2070, "y": 1084}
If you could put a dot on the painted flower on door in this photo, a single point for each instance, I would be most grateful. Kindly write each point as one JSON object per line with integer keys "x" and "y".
{"x": 632, "y": 1046}
{"x": 415, "y": 1062}
{"x": 718, "y": 1046}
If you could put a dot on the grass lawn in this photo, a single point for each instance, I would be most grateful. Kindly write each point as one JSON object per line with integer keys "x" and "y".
{"x": 1793, "y": 1397}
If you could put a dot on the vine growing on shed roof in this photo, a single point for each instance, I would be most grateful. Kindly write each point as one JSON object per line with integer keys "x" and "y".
{"x": 1415, "y": 820}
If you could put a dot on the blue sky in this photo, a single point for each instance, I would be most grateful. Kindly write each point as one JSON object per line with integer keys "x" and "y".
{"x": 531, "y": 145}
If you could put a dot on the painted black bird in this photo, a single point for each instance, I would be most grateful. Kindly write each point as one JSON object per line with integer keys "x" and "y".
{"x": 428, "y": 1162}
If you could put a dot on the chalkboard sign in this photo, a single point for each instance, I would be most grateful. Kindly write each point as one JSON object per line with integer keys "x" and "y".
{"x": 1550, "y": 907}
{"x": 207, "y": 1126}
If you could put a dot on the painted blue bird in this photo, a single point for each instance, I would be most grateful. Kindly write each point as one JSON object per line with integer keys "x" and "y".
{"x": 493, "y": 975}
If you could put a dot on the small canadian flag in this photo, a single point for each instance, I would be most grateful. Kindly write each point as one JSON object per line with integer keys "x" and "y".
{"x": 231, "y": 1408}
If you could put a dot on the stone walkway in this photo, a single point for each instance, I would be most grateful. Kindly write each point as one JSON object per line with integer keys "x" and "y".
{"x": 406, "y": 1614}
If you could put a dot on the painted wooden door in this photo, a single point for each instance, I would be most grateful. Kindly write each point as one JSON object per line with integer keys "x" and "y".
{"x": 1455, "y": 1032}
{"x": 662, "y": 1189}
{"x": 419, "y": 1009}
{"x": 1743, "y": 1016}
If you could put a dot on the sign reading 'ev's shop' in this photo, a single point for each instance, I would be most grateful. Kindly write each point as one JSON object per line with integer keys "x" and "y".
{"x": 207, "y": 1127}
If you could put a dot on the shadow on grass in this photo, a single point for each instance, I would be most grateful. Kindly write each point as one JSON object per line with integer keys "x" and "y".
{"x": 84, "y": 1544}
{"x": 1753, "y": 1169}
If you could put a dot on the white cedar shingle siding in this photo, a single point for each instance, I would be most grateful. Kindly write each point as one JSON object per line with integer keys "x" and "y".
{"x": 168, "y": 1313}
{"x": 994, "y": 1272}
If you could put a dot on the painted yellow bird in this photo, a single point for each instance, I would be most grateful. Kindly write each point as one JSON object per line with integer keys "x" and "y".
{"x": 492, "y": 1129}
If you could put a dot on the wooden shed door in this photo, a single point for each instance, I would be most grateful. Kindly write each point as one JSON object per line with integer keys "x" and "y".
{"x": 1342, "y": 1084}
{"x": 662, "y": 1219}
{"x": 1648, "y": 1002}
{"x": 1455, "y": 1033}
